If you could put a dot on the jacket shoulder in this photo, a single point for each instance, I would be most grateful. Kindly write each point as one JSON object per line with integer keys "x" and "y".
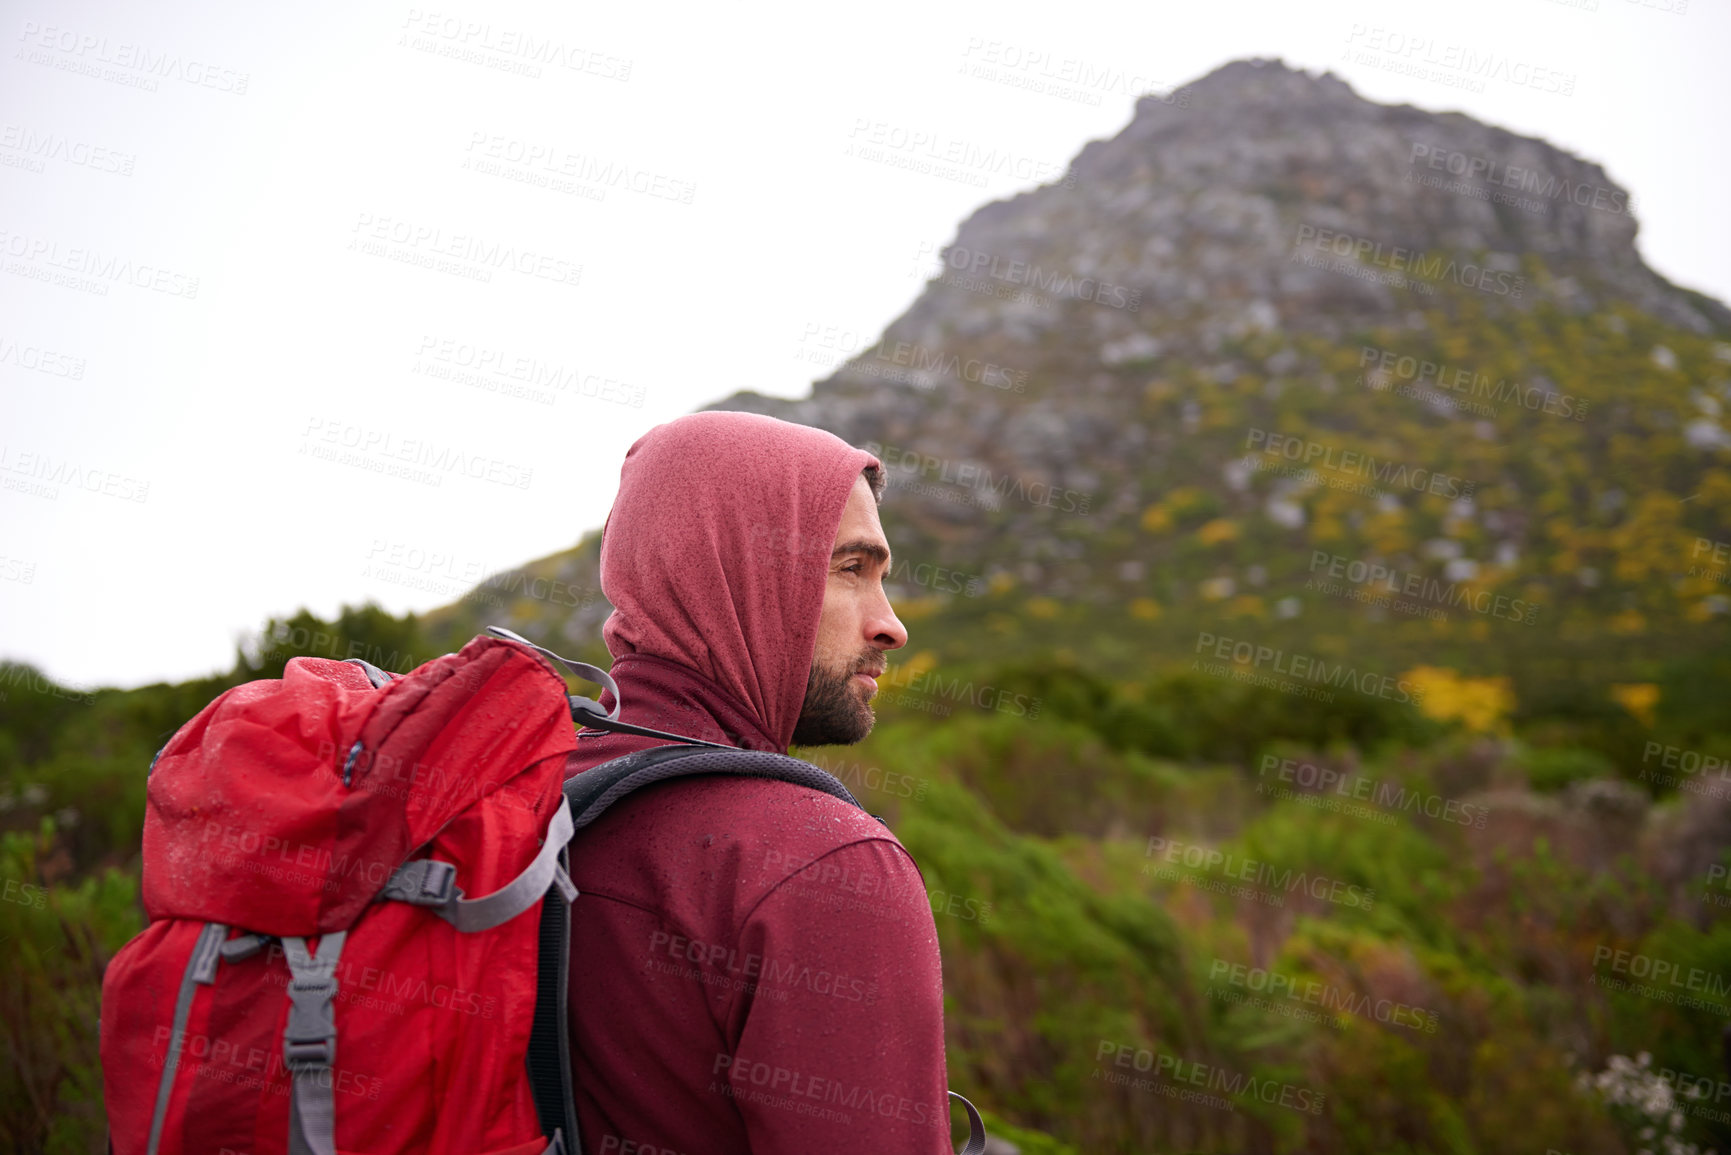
{"x": 704, "y": 851}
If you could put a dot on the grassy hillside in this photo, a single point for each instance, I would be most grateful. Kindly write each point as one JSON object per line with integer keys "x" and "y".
{"x": 1313, "y": 729}
{"x": 1320, "y": 496}
{"x": 1178, "y": 914}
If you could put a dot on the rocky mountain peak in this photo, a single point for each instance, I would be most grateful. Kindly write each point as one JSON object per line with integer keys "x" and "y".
{"x": 1261, "y": 196}
{"x": 1085, "y": 350}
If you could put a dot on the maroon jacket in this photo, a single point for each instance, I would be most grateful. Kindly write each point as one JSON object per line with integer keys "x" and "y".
{"x": 754, "y": 964}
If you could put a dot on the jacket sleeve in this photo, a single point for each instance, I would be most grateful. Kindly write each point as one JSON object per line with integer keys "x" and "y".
{"x": 838, "y": 1047}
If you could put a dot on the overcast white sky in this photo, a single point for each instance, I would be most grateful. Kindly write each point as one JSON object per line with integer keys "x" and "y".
{"x": 161, "y": 439}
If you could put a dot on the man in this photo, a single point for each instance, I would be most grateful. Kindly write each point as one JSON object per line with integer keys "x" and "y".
{"x": 754, "y": 964}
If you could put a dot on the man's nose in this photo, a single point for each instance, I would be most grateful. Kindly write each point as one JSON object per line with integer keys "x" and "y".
{"x": 883, "y": 628}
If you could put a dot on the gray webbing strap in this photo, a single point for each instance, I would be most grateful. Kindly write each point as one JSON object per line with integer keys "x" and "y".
{"x": 309, "y": 1043}
{"x": 200, "y": 968}
{"x": 976, "y": 1129}
{"x": 430, "y": 883}
{"x": 375, "y": 675}
{"x": 587, "y": 711}
{"x": 582, "y": 669}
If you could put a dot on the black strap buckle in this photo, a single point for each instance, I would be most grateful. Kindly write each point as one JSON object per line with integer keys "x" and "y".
{"x": 310, "y": 1039}
{"x": 423, "y": 882}
{"x": 438, "y": 883}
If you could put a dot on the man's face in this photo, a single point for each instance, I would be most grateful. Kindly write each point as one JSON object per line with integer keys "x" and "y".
{"x": 856, "y": 627}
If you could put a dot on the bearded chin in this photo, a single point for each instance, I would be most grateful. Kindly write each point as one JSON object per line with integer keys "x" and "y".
{"x": 834, "y": 714}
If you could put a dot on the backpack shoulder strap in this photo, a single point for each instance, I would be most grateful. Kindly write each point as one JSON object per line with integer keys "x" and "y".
{"x": 589, "y": 796}
{"x": 549, "y": 1053}
{"x": 593, "y": 791}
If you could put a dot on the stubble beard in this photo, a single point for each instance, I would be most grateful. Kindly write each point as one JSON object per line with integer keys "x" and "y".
{"x": 835, "y": 712}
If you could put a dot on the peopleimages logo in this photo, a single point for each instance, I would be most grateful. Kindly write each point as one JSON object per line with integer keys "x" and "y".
{"x": 1200, "y": 1074}
{"x": 505, "y": 48}
{"x": 85, "y": 54}
{"x": 1066, "y": 77}
{"x": 1358, "y": 572}
{"x": 546, "y": 165}
{"x": 921, "y": 682}
{"x": 1688, "y": 761}
{"x": 1379, "y": 792}
{"x": 43, "y": 146}
{"x": 936, "y": 154}
{"x": 381, "y": 450}
{"x": 1258, "y": 873}
{"x": 91, "y": 270}
{"x": 24, "y": 894}
{"x": 1408, "y": 262}
{"x": 1274, "y": 984}
{"x": 44, "y": 468}
{"x": 1389, "y": 365}
{"x": 1353, "y": 463}
{"x": 1658, "y": 970}
{"x": 261, "y": 1069}
{"x": 915, "y": 364}
{"x": 800, "y": 1091}
{"x": 905, "y": 465}
{"x": 614, "y": 1143}
{"x": 470, "y": 255}
{"x": 1462, "y": 66}
{"x": 1718, "y": 553}
{"x": 857, "y": 775}
{"x": 40, "y": 360}
{"x": 237, "y": 845}
{"x": 1527, "y": 180}
{"x": 1058, "y": 282}
{"x": 747, "y": 971}
{"x": 1307, "y": 668}
{"x": 516, "y": 374}
{"x": 34, "y": 682}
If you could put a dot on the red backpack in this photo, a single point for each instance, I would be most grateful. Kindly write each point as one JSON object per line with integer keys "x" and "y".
{"x": 315, "y": 978}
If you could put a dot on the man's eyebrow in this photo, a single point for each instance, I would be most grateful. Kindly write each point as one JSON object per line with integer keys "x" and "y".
{"x": 870, "y": 548}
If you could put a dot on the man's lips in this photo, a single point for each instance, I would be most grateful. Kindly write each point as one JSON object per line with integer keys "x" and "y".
{"x": 870, "y": 677}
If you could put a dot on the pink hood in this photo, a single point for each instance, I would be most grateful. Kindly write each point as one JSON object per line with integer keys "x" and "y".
{"x": 715, "y": 557}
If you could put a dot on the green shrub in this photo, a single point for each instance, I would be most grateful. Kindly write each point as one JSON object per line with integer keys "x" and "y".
{"x": 58, "y": 940}
{"x": 1550, "y": 769}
